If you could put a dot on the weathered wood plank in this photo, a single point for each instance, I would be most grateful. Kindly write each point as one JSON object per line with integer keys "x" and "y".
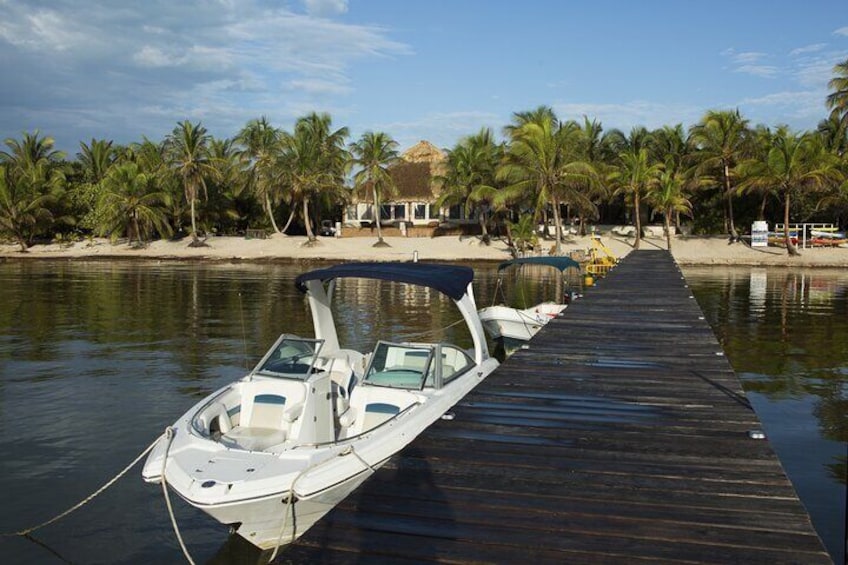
{"x": 620, "y": 434}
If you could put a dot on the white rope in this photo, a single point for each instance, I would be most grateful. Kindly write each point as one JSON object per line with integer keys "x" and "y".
{"x": 292, "y": 495}
{"x": 409, "y": 337}
{"x": 169, "y": 435}
{"x": 86, "y": 500}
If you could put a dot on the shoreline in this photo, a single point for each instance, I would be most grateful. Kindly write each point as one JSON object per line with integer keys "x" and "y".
{"x": 687, "y": 250}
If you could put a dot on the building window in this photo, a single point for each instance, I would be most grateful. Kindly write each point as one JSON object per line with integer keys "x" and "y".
{"x": 399, "y": 212}
{"x": 419, "y": 212}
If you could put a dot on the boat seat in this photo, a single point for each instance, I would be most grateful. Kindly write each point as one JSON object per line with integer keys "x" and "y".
{"x": 267, "y": 416}
{"x": 370, "y": 407}
{"x": 342, "y": 384}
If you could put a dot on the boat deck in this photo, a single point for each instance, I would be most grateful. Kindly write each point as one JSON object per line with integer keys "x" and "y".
{"x": 620, "y": 434}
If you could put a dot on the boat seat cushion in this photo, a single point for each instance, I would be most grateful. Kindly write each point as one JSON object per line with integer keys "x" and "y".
{"x": 253, "y": 438}
{"x": 270, "y": 418}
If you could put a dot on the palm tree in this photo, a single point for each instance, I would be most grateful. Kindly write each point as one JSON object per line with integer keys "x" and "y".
{"x": 795, "y": 163}
{"x": 314, "y": 160}
{"x": 837, "y": 100}
{"x": 262, "y": 149}
{"x": 667, "y": 197}
{"x": 130, "y": 203}
{"x": 226, "y": 186}
{"x": 834, "y": 135}
{"x": 188, "y": 154}
{"x": 541, "y": 164}
{"x": 635, "y": 175}
{"x": 720, "y": 138}
{"x": 375, "y": 153}
{"x": 523, "y": 233}
{"x": 596, "y": 150}
{"x": 21, "y": 209}
{"x": 32, "y": 181}
{"x": 96, "y": 158}
{"x": 471, "y": 175}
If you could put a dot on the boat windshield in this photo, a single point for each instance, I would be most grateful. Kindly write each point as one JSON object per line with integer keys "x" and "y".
{"x": 399, "y": 365}
{"x": 291, "y": 357}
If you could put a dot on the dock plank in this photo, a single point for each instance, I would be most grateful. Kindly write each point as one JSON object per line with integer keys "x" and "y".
{"x": 619, "y": 435}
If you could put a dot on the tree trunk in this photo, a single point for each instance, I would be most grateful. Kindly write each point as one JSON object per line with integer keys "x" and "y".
{"x": 638, "y": 222}
{"x": 557, "y": 228}
{"x": 377, "y": 214}
{"x": 271, "y": 213}
{"x": 194, "y": 239}
{"x": 137, "y": 230}
{"x": 309, "y": 235}
{"x": 509, "y": 242}
{"x": 289, "y": 221}
{"x": 483, "y": 227}
{"x": 790, "y": 248}
{"x": 667, "y": 222}
{"x": 728, "y": 192}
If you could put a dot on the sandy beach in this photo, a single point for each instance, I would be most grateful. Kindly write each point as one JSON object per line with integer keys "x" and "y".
{"x": 692, "y": 250}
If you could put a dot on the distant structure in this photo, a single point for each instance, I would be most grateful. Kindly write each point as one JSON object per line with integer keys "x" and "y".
{"x": 417, "y": 188}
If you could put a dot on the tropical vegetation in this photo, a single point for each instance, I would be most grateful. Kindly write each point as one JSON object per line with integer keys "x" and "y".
{"x": 544, "y": 175}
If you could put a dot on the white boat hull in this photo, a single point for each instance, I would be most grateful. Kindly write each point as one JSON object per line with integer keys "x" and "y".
{"x": 502, "y": 322}
{"x": 272, "y": 453}
{"x": 262, "y": 521}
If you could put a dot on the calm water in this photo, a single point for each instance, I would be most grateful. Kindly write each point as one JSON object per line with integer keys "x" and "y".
{"x": 786, "y": 334}
{"x": 96, "y": 358}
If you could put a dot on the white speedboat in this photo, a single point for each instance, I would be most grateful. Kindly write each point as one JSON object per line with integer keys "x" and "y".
{"x": 521, "y": 324}
{"x": 273, "y": 452}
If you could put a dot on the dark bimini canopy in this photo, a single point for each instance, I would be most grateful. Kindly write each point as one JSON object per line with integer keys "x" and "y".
{"x": 561, "y": 263}
{"x": 451, "y": 280}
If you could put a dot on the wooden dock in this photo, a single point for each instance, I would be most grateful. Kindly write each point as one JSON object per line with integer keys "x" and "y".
{"x": 620, "y": 435}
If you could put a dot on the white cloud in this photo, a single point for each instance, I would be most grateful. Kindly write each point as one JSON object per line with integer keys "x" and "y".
{"x": 814, "y": 48}
{"x": 764, "y": 71}
{"x": 841, "y": 31}
{"x": 748, "y": 57}
{"x": 748, "y": 62}
{"x": 325, "y": 7}
{"x": 799, "y": 108}
{"x": 626, "y": 115}
{"x": 144, "y": 66}
{"x": 319, "y": 86}
{"x": 443, "y": 129}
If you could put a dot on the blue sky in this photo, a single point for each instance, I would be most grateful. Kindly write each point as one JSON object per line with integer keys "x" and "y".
{"x": 435, "y": 70}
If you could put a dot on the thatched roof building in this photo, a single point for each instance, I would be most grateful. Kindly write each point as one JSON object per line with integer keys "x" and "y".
{"x": 417, "y": 187}
{"x": 414, "y": 175}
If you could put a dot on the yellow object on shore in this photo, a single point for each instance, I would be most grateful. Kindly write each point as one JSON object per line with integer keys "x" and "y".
{"x": 601, "y": 258}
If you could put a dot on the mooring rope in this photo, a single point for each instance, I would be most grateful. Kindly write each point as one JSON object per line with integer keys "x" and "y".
{"x": 169, "y": 435}
{"x": 292, "y": 494}
{"x": 409, "y": 337}
{"x": 86, "y": 500}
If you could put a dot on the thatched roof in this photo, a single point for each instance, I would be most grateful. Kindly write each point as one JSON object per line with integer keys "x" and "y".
{"x": 413, "y": 181}
{"x": 414, "y": 174}
{"x": 424, "y": 152}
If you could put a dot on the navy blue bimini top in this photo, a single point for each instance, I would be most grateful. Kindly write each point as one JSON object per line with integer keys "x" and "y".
{"x": 561, "y": 263}
{"x": 451, "y": 280}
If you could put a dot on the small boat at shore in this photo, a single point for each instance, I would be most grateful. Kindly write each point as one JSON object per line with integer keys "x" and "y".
{"x": 521, "y": 324}
{"x": 274, "y": 451}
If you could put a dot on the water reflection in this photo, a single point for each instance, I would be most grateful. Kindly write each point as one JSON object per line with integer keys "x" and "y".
{"x": 785, "y": 332}
{"x": 96, "y": 358}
